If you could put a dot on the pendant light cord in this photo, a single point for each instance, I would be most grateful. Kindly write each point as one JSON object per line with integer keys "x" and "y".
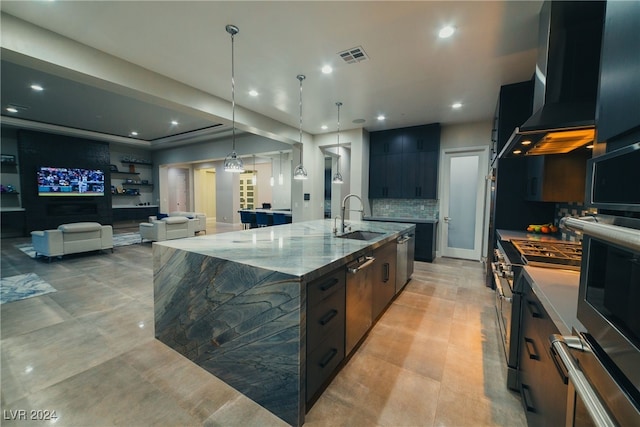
{"x": 339, "y": 104}
{"x": 301, "y": 78}
{"x": 233, "y": 95}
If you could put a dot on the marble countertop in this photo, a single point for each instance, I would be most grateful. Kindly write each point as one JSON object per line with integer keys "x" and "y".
{"x": 306, "y": 249}
{"x": 523, "y": 235}
{"x": 402, "y": 220}
{"x": 557, "y": 290}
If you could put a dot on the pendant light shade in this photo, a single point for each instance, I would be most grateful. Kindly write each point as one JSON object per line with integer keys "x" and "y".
{"x": 254, "y": 175}
{"x": 232, "y": 163}
{"x": 272, "y": 181}
{"x": 337, "y": 178}
{"x": 300, "y": 172}
{"x": 280, "y": 175}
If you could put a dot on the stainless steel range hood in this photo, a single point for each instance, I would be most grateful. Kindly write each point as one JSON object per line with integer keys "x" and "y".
{"x": 566, "y": 81}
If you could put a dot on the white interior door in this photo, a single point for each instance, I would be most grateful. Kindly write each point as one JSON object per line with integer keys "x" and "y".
{"x": 462, "y": 209}
{"x": 178, "y": 189}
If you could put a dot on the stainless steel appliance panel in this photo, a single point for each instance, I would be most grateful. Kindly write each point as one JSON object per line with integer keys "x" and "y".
{"x": 359, "y": 298}
{"x": 404, "y": 262}
{"x": 613, "y": 180}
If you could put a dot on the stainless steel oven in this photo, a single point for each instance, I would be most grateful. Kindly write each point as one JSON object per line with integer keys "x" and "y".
{"x": 506, "y": 269}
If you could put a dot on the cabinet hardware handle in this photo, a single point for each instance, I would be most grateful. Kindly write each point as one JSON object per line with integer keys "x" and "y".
{"x": 534, "y": 309}
{"x": 562, "y": 370}
{"x": 385, "y": 272}
{"x": 531, "y": 349}
{"x": 327, "y": 317}
{"x": 525, "y": 392}
{"x": 329, "y": 284}
{"x": 327, "y": 357}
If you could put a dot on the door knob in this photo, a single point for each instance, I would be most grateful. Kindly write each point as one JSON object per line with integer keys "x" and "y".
{"x": 447, "y": 219}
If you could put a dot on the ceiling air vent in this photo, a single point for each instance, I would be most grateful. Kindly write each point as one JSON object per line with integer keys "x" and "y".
{"x": 353, "y": 55}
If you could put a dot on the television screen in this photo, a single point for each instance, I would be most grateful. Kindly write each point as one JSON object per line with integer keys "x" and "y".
{"x": 70, "y": 182}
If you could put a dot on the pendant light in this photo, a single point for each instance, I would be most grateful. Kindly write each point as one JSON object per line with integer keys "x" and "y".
{"x": 254, "y": 176}
{"x": 300, "y": 172}
{"x": 337, "y": 178}
{"x": 280, "y": 175}
{"x": 272, "y": 181}
{"x": 232, "y": 163}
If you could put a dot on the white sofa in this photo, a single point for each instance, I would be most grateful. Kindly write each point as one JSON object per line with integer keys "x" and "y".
{"x": 200, "y": 219}
{"x": 72, "y": 238}
{"x": 168, "y": 228}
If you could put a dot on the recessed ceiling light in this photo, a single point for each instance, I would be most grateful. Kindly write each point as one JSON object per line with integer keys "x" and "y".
{"x": 12, "y": 109}
{"x": 134, "y": 133}
{"x": 174, "y": 122}
{"x": 381, "y": 117}
{"x": 526, "y": 142}
{"x": 327, "y": 69}
{"x": 456, "y": 105}
{"x": 590, "y": 146}
{"x": 37, "y": 87}
{"x": 517, "y": 151}
{"x": 253, "y": 92}
{"x": 324, "y": 127}
{"x": 446, "y": 32}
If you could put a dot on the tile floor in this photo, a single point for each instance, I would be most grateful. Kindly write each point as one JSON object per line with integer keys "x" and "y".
{"x": 87, "y": 352}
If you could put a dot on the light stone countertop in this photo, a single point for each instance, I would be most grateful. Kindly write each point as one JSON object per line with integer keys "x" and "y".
{"x": 306, "y": 249}
{"x": 402, "y": 219}
{"x": 557, "y": 290}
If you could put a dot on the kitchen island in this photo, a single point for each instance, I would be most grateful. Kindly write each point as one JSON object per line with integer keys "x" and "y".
{"x": 236, "y": 303}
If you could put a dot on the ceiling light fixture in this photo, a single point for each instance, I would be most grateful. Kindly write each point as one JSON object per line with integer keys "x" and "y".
{"x": 456, "y": 105}
{"x": 324, "y": 127}
{"x": 253, "y": 92}
{"x": 526, "y": 142}
{"x": 337, "y": 178}
{"x": 134, "y": 133}
{"x": 12, "y": 109}
{"x": 381, "y": 117}
{"x": 174, "y": 122}
{"x": 37, "y": 87}
{"x": 300, "y": 173}
{"x": 327, "y": 69}
{"x": 446, "y": 32}
{"x": 232, "y": 163}
{"x": 280, "y": 175}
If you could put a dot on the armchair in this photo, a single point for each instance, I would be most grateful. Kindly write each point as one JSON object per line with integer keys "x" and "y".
{"x": 171, "y": 227}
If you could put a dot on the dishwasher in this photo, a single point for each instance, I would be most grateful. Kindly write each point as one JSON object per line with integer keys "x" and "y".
{"x": 359, "y": 301}
{"x": 404, "y": 261}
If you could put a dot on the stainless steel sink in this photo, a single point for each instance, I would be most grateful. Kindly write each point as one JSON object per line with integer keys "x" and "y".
{"x": 361, "y": 235}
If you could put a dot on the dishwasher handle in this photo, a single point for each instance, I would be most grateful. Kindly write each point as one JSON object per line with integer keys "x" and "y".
{"x": 403, "y": 240}
{"x": 359, "y": 267}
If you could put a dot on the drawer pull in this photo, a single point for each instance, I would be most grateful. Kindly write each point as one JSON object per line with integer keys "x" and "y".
{"x": 327, "y": 357}
{"x": 531, "y": 349}
{"x": 527, "y": 401}
{"x": 327, "y": 317}
{"x": 329, "y": 284}
{"x": 385, "y": 272}
{"x": 534, "y": 309}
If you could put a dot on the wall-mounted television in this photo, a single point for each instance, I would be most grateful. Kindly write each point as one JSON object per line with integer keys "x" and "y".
{"x": 56, "y": 181}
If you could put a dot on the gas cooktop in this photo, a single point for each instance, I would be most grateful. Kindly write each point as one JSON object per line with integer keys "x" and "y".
{"x": 566, "y": 255}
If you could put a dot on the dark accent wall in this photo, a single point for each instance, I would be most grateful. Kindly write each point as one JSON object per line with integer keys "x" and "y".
{"x": 36, "y": 149}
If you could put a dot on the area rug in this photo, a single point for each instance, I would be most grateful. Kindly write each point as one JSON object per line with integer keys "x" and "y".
{"x": 23, "y": 286}
{"x": 120, "y": 239}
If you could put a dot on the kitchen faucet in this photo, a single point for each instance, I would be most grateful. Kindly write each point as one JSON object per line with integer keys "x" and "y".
{"x": 344, "y": 208}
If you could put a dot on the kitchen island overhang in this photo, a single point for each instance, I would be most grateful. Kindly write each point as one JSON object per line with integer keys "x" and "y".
{"x": 235, "y": 303}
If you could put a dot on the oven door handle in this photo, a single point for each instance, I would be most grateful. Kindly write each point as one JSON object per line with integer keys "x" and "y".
{"x": 497, "y": 279}
{"x": 622, "y": 236}
{"x": 594, "y": 406}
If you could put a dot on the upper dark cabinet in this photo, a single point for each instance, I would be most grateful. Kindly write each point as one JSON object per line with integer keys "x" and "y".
{"x": 618, "y": 101}
{"x": 404, "y": 163}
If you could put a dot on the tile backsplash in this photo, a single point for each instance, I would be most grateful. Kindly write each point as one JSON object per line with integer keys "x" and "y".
{"x": 405, "y": 208}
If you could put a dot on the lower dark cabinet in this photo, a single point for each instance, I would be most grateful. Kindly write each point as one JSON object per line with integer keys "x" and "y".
{"x": 326, "y": 310}
{"x": 383, "y": 277}
{"x": 542, "y": 388}
{"x": 425, "y": 248}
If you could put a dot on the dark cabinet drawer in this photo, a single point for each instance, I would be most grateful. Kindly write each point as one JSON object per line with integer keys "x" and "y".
{"x": 326, "y": 316}
{"x": 323, "y": 287}
{"x": 323, "y": 360}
